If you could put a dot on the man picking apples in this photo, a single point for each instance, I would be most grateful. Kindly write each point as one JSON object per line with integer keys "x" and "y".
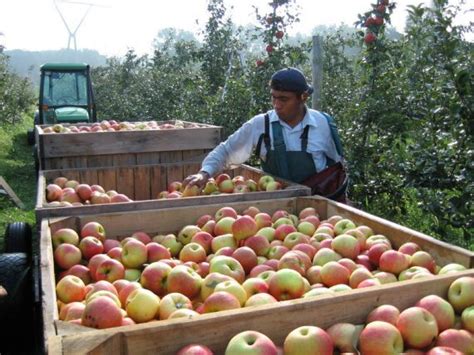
{"x": 292, "y": 140}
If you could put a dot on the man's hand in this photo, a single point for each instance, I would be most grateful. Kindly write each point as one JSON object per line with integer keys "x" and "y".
{"x": 199, "y": 179}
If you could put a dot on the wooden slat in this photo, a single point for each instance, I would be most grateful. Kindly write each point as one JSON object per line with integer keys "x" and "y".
{"x": 107, "y": 178}
{"x": 142, "y": 183}
{"x": 48, "y": 299}
{"x": 275, "y": 320}
{"x": 125, "y": 182}
{"x": 125, "y": 159}
{"x": 101, "y": 143}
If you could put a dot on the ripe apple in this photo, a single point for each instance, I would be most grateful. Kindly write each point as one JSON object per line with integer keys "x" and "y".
{"x": 307, "y": 211}
{"x": 384, "y": 313}
{"x": 53, "y": 192}
{"x": 344, "y": 336}
{"x": 172, "y": 302}
{"x": 102, "y": 312}
{"x": 273, "y": 186}
{"x": 192, "y": 252}
{"x": 380, "y": 338}
{"x": 343, "y": 225}
{"x": 324, "y": 256}
{"x": 234, "y": 288}
{"x": 98, "y": 197}
{"x": 358, "y": 275}
{"x": 263, "y": 181}
{"x": 225, "y": 212}
{"x": 251, "y": 211}
{"x": 243, "y": 227}
{"x": 175, "y": 186}
{"x": 93, "y": 229}
{"x": 90, "y": 246}
{"x": 84, "y": 191}
{"x": 157, "y": 252}
{"x": 461, "y": 293}
{"x": 443, "y": 350}
{"x": 259, "y": 244}
{"x": 467, "y": 319}
{"x": 223, "y": 241}
{"x": 262, "y": 220}
{"x": 109, "y": 244}
{"x": 134, "y": 253}
{"x": 60, "y": 181}
{"x": 252, "y": 185}
{"x": 333, "y": 273}
{"x": 409, "y": 248}
{"x": 154, "y": 277}
{"x": 195, "y": 349}
{"x": 209, "y": 283}
{"x": 286, "y": 284}
{"x": 251, "y": 342}
{"x": 283, "y": 230}
{"x": 66, "y": 255}
{"x": 306, "y": 228}
{"x": 424, "y": 259}
{"x": 142, "y": 236}
{"x": 220, "y": 301}
{"x": 224, "y": 226}
{"x": 228, "y": 266}
{"x": 127, "y": 290}
{"x": 458, "y": 339}
{"x": 184, "y": 280}
{"x": 258, "y": 299}
{"x": 308, "y": 340}
{"x": 418, "y": 327}
{"x": 440, "y": 309}
{"x": 376, "y": 251}
{"x": 184, "y": 313}
{"x": 346, "y": 245}
{"x": 246, "y": 257}
{"x": 110, "y": 270}
{"x": 170, "y": 242}
{"x": 80, "y": 271}
{"x": 450, "y": 268}
{"x": 142, "y": 305}
{"x": 393, "y": 261}
{"x": 65, "y": 235}
{"x": 70, "y": 289}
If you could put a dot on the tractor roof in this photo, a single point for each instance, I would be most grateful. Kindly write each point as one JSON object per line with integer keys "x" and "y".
{"x": 64, "y": 66}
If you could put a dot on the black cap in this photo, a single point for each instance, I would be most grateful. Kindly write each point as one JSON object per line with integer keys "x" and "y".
{"x": 290, "y": 79}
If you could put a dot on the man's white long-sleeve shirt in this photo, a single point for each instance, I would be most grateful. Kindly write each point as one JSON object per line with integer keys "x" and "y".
{"x": 238, "y": 148}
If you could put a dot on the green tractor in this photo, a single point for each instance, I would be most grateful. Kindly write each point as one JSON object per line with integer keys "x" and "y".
{"x": 65, "y": 96}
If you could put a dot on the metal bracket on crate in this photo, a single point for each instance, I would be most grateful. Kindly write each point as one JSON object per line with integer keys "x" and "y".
{"x": 5, "y": 189}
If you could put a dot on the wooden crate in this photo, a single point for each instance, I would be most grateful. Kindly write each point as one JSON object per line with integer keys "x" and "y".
{"x": 104, "y": 149}
{"x": 143, "y": 184}
{"x": 275, "y": 320}
{"x": 216, "y": 329}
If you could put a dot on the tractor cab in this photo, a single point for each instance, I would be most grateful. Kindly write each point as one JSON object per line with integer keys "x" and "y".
{"x": 65, "y": 96}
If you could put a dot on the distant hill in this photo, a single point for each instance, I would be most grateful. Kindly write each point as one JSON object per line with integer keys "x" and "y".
{"x": 26, "y": 63}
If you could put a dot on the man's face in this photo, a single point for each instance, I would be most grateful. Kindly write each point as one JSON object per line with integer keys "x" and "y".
{"x": 287, "y": 104}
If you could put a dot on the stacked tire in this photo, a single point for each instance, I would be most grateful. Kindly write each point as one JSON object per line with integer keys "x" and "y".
{"x": 17, "y": 308}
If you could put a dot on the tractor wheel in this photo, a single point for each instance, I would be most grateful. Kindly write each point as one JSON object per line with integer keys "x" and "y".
{"x": 18, "y": 238}
{"x": 30, "y": 134}
{"x": 17, "y": 306}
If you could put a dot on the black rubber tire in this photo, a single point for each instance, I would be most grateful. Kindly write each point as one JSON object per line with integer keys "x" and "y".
{"x": 30, "y": 135}
{"x": 16, "y": 309}
{"x": 18, "y": 238}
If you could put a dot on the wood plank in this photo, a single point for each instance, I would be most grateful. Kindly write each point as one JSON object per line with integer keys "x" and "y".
{"x": 171, "y": 157}
{"x": 125, "y": 159}
{"x": 48, "y": 284}
{"x": 89, "y": 176}
{"x": 142, "y": 183}
{"x": 148, "y": 158}
{"x": 107, "y": 178}
{"x": 9, "y": 191}
{"x": 41, "y": 190}
{"x": 215, "y": 330}
{"x": 100, "y": 143}
{"x": 125, "y": 182}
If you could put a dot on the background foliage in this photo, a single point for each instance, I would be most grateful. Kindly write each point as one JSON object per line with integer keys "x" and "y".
{"x": 404, "y": 103}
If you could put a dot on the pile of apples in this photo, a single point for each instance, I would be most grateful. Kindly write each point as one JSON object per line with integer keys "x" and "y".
{"x": 65, "y": 193}
{"x": 433, "y": 326}
{"x": 224, "y": 261}
{"x": 113, "y": 126}
{"x": 221, "y": 184}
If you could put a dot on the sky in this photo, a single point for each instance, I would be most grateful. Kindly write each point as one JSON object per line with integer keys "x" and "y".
{"x": 114, "y": 26}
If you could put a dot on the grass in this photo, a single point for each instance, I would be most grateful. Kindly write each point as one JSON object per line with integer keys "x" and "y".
{"x": 18, "y": 170}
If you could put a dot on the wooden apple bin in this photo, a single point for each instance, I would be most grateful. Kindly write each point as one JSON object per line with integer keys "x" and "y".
{"x": 143, "y": 184}
{"x": 121, "y": 148}
{"x": 215, "y": 330}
